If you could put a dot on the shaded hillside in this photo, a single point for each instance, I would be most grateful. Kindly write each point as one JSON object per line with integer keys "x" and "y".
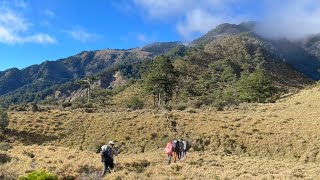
{"x": 298, "y": 58}
{"x": 311, "y": 44}
{"x": 159, "y": 48}
{"x": 12, "y": 79}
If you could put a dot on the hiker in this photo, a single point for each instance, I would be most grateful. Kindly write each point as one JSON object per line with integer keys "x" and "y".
{"x": 180, "y": 149}
{"x": 169, "y": 151}
{"x": 175, "y": 150}
{"x": 107, "y": 153}
{"x": 184, "y": 148}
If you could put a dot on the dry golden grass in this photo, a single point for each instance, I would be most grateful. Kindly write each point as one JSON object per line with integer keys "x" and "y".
{"x": 70, "y": 163}
{"x": 134, "y": 90}
{"x": 252, "y": 141}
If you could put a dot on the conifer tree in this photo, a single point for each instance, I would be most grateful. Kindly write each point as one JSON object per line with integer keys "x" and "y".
{"x": 161, "y": 80}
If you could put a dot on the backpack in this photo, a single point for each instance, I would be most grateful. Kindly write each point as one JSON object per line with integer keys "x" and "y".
{"x": 169, "y": 148}
{"x": 105, "y": 152}
{"x": 176, "y": 145}
{"x": 181, "y": 146}
{"x": 185, "y": 145}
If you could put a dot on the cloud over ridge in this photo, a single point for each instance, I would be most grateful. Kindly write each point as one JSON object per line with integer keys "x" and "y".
{"x": 15, "y": 29}
{"x": 290, "y": 19}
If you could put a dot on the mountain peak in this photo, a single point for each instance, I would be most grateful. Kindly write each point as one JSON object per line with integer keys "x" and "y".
{"x": 222, "y": 30}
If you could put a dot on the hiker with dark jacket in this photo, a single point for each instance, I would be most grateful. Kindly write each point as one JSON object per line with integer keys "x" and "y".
{"x": 184, "y": 149}
{"x": 175, "y": 150}
{"x": 180, "y": 155}
{"x": 107, "y": 154}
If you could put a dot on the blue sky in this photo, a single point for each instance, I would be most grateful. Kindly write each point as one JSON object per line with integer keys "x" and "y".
{"x": 32, "y": 31}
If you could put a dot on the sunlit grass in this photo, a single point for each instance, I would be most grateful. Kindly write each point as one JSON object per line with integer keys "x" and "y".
{"x": 251, "y": 141}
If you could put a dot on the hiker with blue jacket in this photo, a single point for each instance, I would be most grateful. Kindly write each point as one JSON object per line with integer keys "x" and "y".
{"x": 107, "y": 154}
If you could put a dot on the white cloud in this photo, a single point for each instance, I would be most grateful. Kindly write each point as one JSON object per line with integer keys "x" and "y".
{"x": 49, "y": 13}
{"x": 197, "y": 21}
{"x": 191, "y": 16}
{"x": 290, "y": 19}
{"x": 14, "y": 29}
{"x": 82, "y": 35}
{"x": 287, "y": 18}
{"x": 40, "y": 38}
{"x": 12, "y": 21}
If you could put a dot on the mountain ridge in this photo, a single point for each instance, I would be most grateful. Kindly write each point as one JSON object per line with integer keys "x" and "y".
{"x": 48, "y": 75}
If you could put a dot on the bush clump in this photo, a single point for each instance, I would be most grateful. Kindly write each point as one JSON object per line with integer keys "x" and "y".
{"x": 4, "y": 158}
{"x": 5, "y": 146}
{"x": 4, "y": 120}
{"x": 39, "y": 175}
{"x": 135, "y": 103}
{"x": 66, "y": 104}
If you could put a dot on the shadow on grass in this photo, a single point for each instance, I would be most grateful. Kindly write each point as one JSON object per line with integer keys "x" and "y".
{"x": 28, "y": 138}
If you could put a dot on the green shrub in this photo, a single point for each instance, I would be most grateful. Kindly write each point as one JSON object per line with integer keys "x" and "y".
{"x": 4, "y": 120}
{"x": 5, "y": 146}
{"x": 39, "y": 175}
{"x": 4, "y": 158}
{"x": 135, "y": 103}
{"x": 89, "y": 110}
{"x": 195, "y": 103}
{"x": 35, "y": 107}
{"x": 88, "y": 105}
{"x": 66, "y": 104}
{"x": 181, "y": 106}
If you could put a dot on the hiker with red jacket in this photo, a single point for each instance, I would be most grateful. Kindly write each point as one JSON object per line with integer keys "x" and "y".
{"x": 169, "y": 151}
{"x": 107, "y": 153}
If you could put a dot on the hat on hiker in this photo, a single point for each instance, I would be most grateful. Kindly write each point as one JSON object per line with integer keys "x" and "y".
{"x": 111, "y": 142}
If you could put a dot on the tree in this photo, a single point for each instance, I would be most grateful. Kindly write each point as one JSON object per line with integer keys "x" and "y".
{"x": 161, "y": 80}
{"x": 4, "y": 120}
{"x": 255, "y": 87}
{"x": 102, "y": 95}
{"x": 86, "y": 83}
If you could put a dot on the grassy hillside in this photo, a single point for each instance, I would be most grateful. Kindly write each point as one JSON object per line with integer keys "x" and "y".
{"x": 251, "y": 141}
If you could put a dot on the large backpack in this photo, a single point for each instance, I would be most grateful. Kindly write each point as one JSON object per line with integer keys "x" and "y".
{"x": 175, "y": 145}
{"x": 105, "y": 153}
{"x": 169, "y": 148}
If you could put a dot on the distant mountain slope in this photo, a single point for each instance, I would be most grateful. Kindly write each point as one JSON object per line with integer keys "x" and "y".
{"x": 160, "y": 47}
{"x": 63, "y": 70}
{"x": 249, "y": 51}
{"x": 298, "y": 58}
{"x": 311, "y": 44}
{"x": 304, "y": 56}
